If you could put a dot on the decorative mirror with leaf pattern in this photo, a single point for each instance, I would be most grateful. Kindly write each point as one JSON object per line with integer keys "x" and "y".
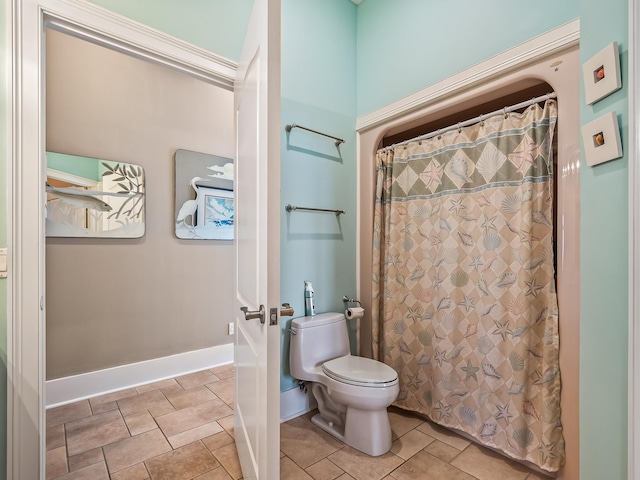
{"x": 89, "y": 197}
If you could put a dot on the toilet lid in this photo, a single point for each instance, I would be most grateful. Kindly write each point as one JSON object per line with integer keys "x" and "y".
{"x": 360, "y": 371}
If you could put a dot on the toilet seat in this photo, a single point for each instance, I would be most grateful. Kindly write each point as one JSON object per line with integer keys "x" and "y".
{"x": 360, "y": 371}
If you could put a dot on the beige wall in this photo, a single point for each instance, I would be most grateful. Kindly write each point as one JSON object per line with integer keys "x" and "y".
{"x": 113, "y": 302}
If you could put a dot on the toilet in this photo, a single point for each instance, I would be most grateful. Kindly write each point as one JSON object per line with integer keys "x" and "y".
{"x": 353, "y": 393}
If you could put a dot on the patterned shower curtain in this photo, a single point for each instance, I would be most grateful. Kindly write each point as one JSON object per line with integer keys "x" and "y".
{"x": 464, "y": 301}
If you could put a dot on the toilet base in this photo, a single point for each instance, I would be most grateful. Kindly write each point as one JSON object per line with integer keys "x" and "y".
{"x": 329, "y": 427}
{"x": 365, "y": 430}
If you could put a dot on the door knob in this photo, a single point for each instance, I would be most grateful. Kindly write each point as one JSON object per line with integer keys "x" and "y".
{"x": 250, "y": 315}
{"x": 286, "y": 310}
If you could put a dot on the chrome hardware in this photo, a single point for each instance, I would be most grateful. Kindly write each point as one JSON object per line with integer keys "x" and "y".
{"x": 286, "y": 310}
{"x": 292, "y": 331}
{"x": 293, "y": 208}
{"x": 291, "y": 126}
{"x": 249, "y": 315}
{"x": 346, "y": 299}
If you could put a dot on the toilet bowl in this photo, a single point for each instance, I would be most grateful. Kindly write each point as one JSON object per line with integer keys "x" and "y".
{"x": 353, "y": 393}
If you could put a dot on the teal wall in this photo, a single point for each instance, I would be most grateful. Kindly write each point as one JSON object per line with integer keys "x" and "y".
{"x": 406, "y": 45}
{"x": 604, "y": 265}
{"x": 3, "y": 234}
{"x": 319, "y": 92}
{"x": 215, "y": 25}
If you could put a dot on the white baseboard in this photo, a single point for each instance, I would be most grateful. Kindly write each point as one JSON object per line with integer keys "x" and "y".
{"x": 294, "y": 403}
{"x": 86, "y": 385}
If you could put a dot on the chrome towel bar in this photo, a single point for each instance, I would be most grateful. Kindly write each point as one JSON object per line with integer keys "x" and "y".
{"x": 291, "y": 208}
{"x": 290, "y": 127}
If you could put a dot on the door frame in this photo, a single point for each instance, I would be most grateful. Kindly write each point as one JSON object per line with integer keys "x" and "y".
{"x": 633, "y": 407}
{"x": 26, "y": 175}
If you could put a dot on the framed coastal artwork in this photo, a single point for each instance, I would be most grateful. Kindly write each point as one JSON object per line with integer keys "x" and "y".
{"x": 204, "y": 208}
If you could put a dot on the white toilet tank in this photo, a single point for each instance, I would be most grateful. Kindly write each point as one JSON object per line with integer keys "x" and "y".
{"x": 317, "y": 339}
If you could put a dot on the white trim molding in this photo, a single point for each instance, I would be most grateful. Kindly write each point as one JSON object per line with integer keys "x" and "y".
{"x": 26, "y": 172}
{"x": 100, "y": 382}
{"x": 633, "y": 421}
{"x": 556, "y": 40}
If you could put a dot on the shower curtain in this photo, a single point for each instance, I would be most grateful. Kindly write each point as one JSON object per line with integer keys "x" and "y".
{"x": 464, "y": 301}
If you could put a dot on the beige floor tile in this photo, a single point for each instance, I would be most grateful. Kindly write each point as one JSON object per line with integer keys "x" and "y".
{"x": 140, "y": 422}
{"x": 170, "y": 382}
{"x": 364, "y": 467}
{"x": 195, "y": 434}
{"x": 56, "y": 462}
{"x": 143, "y": 401}
{"x": 346, "y": 476}
{"x": 227, "y": 424}
{"x": 107, "y": 402}
{"x": 137, "y": 472}
{"x": 305, "y": 443}
{"x": 182, "y": 464}
{"x": 131, "y": 451}
{"x": 423, "y": 466}
{"x": 228, "y": 458}
{"x": 55, "y": 436}
{"x": 218, "y": 440}
{"x": 223, "y": 370}
{"x": 68, "y": 413}
{"x": 192, "y": 417}
{"x": 291, "y": 471}
{"x": 444, "y": 452}
{"x": 181, "y": 398}
{"x": 95, "y": 431}
{"x": 218, "y": 473}
{"x": 224, "y": 390}
{"x": 85, "y": 459}
{"x": 197, "y": 379}
{"x": 487, "y": 465}
{"x": 402, "y": 421}
{"x": 444, "y": 435}
{"x": 324, "y": 470}
{"x": 163, "y": 410}
{"x": 410, "y": 443}
{"x": 97, "y": 471}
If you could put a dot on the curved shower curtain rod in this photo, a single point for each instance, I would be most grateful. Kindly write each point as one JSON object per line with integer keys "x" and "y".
{"x": 480, "y": 118}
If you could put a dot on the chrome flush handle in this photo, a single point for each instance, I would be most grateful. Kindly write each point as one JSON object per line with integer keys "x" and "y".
{"x": 286, "y": 310}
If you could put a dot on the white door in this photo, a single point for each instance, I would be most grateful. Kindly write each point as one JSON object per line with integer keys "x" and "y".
{"x": 257, "y": 246}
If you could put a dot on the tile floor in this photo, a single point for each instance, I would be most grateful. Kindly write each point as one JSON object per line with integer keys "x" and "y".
{"x": 182, "y": 429}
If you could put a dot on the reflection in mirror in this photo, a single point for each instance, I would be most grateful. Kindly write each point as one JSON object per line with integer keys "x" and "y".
{"x": 88, "y": 197}
{"x": 204, "y": 196}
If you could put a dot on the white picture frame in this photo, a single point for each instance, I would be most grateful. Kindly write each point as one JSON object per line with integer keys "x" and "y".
{"x": 601, "y": 139}
{"x": 601, "y": 74}
{"x": 216, "y": 213}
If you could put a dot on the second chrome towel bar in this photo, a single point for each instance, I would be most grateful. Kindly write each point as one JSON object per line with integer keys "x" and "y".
{"x": 291, "y": 208}
{"x": 290, "y": 127}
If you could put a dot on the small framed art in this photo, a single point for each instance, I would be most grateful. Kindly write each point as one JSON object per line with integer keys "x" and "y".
{"x": 602, "y": 74}
{"x": 601, "y": 139}
{"x": 216, "y": 213}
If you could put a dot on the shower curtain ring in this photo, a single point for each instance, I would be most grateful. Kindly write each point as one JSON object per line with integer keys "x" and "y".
{"x": 439, "y": 136}
{"x": 459, "y": 128}
{"x": 504, "y": 111}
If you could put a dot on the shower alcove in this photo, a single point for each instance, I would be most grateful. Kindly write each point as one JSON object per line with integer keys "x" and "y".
{"x": 484, "y": 88}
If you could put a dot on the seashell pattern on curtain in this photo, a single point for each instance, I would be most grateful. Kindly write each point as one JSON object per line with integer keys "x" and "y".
{"x": 464, "y": 301}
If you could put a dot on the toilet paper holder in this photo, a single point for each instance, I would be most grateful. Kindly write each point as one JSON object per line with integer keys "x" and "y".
{"x": 347, "y": 300}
